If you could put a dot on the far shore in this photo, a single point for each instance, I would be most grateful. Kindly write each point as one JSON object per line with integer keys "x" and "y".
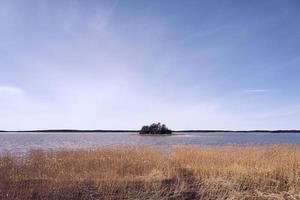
{"x": 176, "y": 131}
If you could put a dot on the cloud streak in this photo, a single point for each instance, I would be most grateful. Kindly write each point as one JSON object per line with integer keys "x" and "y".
{"x": 4, "y": 89}
{"x": 256, "y": 91}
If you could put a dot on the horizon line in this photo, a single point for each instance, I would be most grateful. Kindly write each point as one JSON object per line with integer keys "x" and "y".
{"x": 134, "y": 130}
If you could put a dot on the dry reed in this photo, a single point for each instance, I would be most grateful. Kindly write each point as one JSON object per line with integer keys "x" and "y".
{"x": 147, "y": 173}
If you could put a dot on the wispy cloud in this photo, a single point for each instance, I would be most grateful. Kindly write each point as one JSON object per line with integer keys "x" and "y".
{"x": 10, "y": 90}
{"x": 256, "y": 91}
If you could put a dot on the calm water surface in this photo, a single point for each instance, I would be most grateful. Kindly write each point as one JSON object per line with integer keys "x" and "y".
{"x": 22, "y": 142}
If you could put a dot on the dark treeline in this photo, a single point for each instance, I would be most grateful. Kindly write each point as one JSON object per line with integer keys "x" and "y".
{"x": 177, "y": 131}
{"x": 72, "y": 130}
{"x": 155, "y": 129}
{"x": 241, "y": 131}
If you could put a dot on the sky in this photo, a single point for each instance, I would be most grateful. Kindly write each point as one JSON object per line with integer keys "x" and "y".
{"x": 121, "y": 64}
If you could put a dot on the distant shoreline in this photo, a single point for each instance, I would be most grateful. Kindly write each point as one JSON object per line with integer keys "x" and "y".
{"x": 177, "y": 131}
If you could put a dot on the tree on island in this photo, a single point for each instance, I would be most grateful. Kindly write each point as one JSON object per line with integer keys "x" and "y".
{"x": 155, "y": 129}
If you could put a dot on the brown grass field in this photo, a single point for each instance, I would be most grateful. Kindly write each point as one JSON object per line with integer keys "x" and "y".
{"x": 184, "y": 172}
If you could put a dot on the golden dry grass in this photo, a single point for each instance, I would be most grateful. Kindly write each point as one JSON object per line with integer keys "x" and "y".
{"x": 147, "y": 173}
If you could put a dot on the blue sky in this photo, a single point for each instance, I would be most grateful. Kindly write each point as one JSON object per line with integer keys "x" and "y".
{"x": 122, "y": 64}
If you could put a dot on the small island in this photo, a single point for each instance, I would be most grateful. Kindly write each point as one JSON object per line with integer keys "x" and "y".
{"x": 155, "y": 129}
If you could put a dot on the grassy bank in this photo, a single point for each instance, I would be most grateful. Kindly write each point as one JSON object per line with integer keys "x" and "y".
{"x": 146, "y": 173}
